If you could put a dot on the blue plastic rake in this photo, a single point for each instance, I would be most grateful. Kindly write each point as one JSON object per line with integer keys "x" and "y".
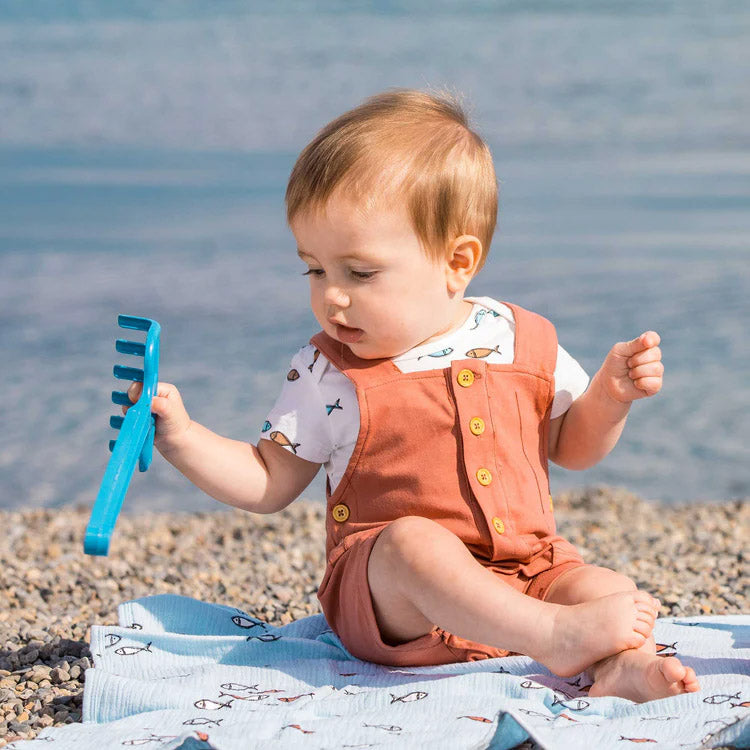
{"x": 136, "y": 439}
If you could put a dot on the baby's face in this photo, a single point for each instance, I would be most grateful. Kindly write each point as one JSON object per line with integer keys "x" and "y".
{"x": 372, "y": 286}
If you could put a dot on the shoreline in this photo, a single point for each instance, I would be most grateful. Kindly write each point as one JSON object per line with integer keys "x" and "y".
{"x": 690, "y": 556}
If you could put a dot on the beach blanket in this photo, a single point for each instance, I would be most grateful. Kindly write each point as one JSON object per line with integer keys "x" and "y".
{"x": 180, "y": 673}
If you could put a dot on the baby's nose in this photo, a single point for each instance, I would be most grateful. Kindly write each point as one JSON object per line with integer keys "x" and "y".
{"x": 336, "y": 297}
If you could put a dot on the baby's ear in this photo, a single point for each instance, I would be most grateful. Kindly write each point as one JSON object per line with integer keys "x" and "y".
{"x": 463, "y": 259}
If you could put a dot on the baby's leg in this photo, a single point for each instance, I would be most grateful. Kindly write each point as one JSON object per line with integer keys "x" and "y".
{"x": 421, "y": 575}
{"x": 637, "y": 673}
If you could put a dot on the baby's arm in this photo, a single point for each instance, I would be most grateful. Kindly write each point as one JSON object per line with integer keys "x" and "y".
{"x": 262, "y": 479}
{"x": 589, "y": 430}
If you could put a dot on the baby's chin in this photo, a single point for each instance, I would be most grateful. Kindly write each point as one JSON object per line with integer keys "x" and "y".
{"x": 368, "y": 349}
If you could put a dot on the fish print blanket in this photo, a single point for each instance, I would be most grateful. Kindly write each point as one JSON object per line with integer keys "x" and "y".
{"x": 181, "y": 673}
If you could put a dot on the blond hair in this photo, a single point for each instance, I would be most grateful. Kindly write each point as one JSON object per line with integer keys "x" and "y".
{"x": 407, "y": 146}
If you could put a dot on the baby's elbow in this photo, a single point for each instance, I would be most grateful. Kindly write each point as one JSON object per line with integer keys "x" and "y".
{"x": 571, "y": 463}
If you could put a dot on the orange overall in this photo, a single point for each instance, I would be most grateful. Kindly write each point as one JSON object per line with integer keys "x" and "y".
{"x": 465, "y": 446}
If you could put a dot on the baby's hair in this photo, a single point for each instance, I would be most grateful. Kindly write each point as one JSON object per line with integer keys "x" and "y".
{"x": 403, "y": 146}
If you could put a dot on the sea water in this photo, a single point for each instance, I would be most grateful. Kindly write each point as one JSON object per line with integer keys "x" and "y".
{"x": 144, "y": 153}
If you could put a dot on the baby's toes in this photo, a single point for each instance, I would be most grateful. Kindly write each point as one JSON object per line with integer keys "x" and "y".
{"x": 644, "y": 623}
{"x": 642, "y": 629}
{"x": 690, "y": 681}
{"x": 644, "y": 600}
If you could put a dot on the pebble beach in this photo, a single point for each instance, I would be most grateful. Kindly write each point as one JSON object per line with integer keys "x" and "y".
{"x": 693, "y": 557}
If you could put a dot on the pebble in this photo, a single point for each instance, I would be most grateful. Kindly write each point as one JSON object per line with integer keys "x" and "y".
{"x": 693, "y": 557}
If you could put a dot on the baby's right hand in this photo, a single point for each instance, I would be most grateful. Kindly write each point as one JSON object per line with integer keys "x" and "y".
{"x": 172, "y": 420}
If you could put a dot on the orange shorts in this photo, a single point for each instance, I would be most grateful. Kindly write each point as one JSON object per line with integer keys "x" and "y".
{"x": 344, "y": 596}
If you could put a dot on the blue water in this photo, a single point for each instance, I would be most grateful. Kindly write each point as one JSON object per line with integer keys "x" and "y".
{"x": 144, "y": 152}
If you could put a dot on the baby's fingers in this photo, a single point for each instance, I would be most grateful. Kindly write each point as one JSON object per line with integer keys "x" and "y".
{"x": 643, "y": 357}
{"x": 649, "y": 386}
{"x": 650, "y": 370}
{"x": 164, "y": 392}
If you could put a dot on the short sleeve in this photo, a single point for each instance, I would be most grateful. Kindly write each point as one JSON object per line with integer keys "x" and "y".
{"x": 571, "y": 381}
{"x": 298, "y": 420}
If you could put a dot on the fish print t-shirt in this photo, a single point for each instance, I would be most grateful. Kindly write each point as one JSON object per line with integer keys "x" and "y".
{"x": 316, "y": 416}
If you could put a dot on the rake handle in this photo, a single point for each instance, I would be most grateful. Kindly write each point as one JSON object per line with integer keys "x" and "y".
{"x": 117, "y": 476}
{"x": 135, "y": 442}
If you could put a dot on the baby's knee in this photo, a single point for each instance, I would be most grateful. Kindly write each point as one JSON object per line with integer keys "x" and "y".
{"x": 614, "y": 581}
{"x": 411, "y": 537}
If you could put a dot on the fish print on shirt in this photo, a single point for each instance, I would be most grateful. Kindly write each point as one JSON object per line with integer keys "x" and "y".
{"x": 331, "y": 407}
{"x": 442, "y": 353}
{"x": 315, "y": 359}
{"x": 480, "y": 316}
{"x": 292, "y": 375}
{"x": 266, "y": 426}
{"x": 481, "y": 352}
{"x": 284, "y": 441}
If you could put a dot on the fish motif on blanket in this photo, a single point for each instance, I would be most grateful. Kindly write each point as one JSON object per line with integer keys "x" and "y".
{"x": 415, "y": 695}
{"x": 201, "y": 721}
{"x": 241, "y": 621}
{"x": 206, "y": 704}
{"x": 299, "y": 728}
{"x": 385, "y": 727}
{"x": 721, "y": 698}
{"x": 133, "y": 650}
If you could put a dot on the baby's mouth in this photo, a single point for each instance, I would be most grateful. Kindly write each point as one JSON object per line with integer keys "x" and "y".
{"x": 348, "y": 335}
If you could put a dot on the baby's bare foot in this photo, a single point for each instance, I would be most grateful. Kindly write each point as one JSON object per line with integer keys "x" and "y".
{"x": 641, "y": 676}
{"x": 588, "y": 632}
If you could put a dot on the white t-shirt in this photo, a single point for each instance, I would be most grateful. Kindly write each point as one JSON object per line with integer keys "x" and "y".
{"x": 316, "y": 415}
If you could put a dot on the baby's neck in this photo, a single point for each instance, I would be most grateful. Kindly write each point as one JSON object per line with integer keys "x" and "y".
{"x": 462, "y": 314}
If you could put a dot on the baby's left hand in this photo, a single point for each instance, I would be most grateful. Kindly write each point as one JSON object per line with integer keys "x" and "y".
{"x": 633, "y": 369}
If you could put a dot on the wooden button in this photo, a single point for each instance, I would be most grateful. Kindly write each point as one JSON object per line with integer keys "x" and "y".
{"x": 340, "y": 513}
{"x": 484, "y": 477}
{"x": 476, "y": 425}
{"x": 465, "y": 378}
{"x": 499, "y": 525}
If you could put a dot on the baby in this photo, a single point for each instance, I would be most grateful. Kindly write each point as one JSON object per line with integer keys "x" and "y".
{"x": 435, "y": 415}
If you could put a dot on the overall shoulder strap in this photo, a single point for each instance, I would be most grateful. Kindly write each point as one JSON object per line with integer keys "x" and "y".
{"x": 535, "y": 340}
{"x": 362, "y": 372}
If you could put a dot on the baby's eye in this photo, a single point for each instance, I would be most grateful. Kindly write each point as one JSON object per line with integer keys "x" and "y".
{"x": 363, "y": 275}
{"x": 314, "y": 272}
